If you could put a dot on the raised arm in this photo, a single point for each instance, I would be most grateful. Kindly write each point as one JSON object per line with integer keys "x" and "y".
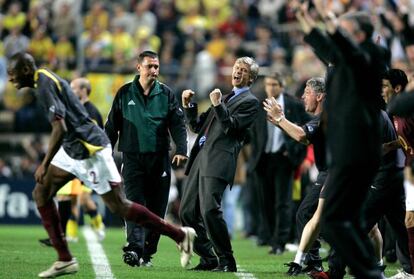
{"x": 194, "y": 121}
{"x": 348, "y": 48}
{"x": 314, "y": 36}
{"x": 238, "y": 119}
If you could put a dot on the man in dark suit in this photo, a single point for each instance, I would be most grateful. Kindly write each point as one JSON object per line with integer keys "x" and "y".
{"x": 353, "y": 132}
{"x": 275, "y": 156}
{"x": 212, "y": 163}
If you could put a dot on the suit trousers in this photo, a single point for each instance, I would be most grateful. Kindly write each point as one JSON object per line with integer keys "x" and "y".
{"x": 201, "y": 209}
{"x": 389, "y": 201}
{"x": 346, "y": 189}
{"x": 147, "y": 182}
{"x": 249, "y": 197}
{"x": 275, "y": 173}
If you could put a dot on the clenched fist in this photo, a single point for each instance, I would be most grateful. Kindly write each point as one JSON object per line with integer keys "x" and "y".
{"x": 215, "y": 97}
{"x": 186, "y": 97}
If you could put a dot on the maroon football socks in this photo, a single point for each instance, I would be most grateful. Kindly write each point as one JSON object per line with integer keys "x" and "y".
{"x": 142, "y": 216}
{"x": 51, "y": 222}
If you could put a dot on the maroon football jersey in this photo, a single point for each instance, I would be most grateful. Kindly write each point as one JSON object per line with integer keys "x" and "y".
{"x": 405, "y": 131}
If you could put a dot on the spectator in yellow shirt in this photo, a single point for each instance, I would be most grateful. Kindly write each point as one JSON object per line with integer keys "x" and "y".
{"x": 14, "y": 17}
{"x": 97, "y": 15}
{"x": 41, "y": 47}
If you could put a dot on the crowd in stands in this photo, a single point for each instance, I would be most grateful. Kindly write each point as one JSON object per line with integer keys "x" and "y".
{"x": 197, "y": 39}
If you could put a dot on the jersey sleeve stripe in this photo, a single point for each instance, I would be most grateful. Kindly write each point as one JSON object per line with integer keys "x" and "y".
{"x": 49, "y": 75}
{"x": 92, "y": 149}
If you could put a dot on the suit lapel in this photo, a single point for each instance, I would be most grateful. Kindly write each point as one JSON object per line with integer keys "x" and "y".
{"x": 237, "y": 99}
{"x": 209, "y": 119}
{"x": 230, "y": 104}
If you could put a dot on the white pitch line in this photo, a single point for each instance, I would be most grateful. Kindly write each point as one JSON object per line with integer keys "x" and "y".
{"x": 99, "y": 260}
{"x": 243, "y": 274}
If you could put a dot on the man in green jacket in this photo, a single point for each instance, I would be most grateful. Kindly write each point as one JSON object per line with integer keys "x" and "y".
{"x": 144, "y": 113}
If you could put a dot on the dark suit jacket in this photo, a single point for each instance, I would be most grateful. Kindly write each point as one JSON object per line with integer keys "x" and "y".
{"x": 294, "y": 110}
{"x": 354, "y": 97}
{"x": 226, "y": 135}
{"x": 402, "y": 105}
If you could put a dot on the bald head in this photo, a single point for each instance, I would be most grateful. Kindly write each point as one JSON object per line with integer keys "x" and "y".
{"x": 82, "y": 88}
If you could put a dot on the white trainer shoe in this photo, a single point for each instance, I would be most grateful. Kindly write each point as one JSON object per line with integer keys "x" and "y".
{"x": 98, "y": 227}
{"x": 100, "y": 234}
{"x": 186, "y": 246}
{"x": 72, "y": 239}
{"x": 402, "y": 275}
{"x": 60, "y": 268}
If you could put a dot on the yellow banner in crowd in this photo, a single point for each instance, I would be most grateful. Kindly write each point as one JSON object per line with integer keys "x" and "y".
{"x": 104, "y": 88}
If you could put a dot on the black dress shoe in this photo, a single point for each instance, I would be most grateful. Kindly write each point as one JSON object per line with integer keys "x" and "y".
{"x": 205, "y": 266}
{"x": 390, "y": 256}
{"x": 277, "y": 250}
{"x": 294, "y": 269}
{"x": 45, "y": 242}
{"x": 262, "y": 242}
{"x": 225, "y": 268}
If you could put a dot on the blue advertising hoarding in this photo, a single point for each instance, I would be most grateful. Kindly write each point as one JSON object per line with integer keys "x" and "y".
{"x": 16, "y": 203}
{"x": 18, "y": 207}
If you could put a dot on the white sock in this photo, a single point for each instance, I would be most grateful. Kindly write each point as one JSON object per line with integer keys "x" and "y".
{"x": 300, "y": 257}
{"x": 380, "y": 263}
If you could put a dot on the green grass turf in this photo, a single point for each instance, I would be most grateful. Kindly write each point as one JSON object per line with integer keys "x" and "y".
{"x": 21, "y": 256}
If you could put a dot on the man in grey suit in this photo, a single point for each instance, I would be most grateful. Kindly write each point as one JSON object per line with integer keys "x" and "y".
{"x": 212, "y": 163}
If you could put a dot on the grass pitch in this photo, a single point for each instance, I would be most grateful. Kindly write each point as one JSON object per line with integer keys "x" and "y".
{"x": 21, "y": 256}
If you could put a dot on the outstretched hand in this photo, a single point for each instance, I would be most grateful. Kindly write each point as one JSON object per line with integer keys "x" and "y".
{"x": 321, "y": 7}
{"x": 295, "y": 4}
{"x": 327, "y": 15}
{"x": 274, "y": 110}
{"x": 303, "y": 16}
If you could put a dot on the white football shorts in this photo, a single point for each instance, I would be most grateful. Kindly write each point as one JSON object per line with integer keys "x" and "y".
{"x": 96, "y": 172}
{"x": 409, "y": 195}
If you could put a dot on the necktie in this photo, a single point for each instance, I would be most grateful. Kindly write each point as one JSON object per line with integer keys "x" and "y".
{"x": 203, "y": 138}
{"x": 227, "y": 97}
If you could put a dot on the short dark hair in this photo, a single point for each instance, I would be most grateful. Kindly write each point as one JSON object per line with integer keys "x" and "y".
{"x": 146, "y": 53}
{"x": 396, "y": 77}
{"x": 277, "y": 76}
{"x": 22, "y": 59}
